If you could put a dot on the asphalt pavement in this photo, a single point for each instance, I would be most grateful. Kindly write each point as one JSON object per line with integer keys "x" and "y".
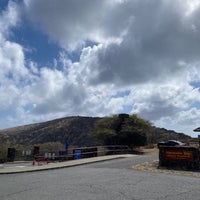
{"x": 21, "y": 167}
{"x": 106, "y": 180}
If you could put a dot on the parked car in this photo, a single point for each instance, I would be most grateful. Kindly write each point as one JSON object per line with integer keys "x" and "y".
{"x": 171, "y": 143}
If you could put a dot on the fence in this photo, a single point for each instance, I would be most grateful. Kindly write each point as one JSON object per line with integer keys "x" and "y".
{"x": 63, "y": 154}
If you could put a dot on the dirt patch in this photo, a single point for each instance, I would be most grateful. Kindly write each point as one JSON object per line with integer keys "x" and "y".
{"x": 145, "y": 150}
{"x": 154, "y": 167}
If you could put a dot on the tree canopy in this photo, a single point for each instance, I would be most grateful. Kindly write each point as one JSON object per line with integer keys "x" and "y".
{"x": 122, "y": 129}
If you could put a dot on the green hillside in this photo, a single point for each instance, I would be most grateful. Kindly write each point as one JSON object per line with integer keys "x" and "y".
{"x": 78, "y": 131}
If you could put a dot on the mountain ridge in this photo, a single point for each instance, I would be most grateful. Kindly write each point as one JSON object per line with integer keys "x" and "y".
{"x": 74, "y": 130}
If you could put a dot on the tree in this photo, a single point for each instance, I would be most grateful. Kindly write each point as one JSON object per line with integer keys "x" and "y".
{"x": 122, "y": 129}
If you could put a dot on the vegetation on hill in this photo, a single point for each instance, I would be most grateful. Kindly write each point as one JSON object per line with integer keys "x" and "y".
{"x": 117, "y": 129}
{"x": 122, "y": 130}
{"x": 73, "y": 130}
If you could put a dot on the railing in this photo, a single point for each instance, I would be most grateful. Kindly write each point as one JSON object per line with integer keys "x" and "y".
{"x": 63, "y": 155}
{"x": 83, "y": 152}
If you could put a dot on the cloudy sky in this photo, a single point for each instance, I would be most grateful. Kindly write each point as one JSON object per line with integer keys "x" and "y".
{"x": 98, "y": 58}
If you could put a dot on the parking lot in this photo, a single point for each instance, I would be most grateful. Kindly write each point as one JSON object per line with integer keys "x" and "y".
{"x": 114, "y": 179}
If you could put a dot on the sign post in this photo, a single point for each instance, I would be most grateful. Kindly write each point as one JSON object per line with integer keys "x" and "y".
{"x": 66, "y": 147}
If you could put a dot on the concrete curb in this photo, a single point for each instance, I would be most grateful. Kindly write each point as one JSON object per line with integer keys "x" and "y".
{"x": 59, "y": 165}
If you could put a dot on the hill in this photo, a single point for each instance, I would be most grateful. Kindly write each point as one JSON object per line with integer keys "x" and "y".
{"x": 74, "y": 130}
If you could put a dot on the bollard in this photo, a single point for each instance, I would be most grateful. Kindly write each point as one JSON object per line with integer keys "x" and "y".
{"x": 33, "y": 163}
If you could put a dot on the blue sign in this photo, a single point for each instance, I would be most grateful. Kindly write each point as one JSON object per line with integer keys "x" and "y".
{"x": 66, "y": 147}
{"x": 199, "y": 136}
{"x": 77, "y": 154}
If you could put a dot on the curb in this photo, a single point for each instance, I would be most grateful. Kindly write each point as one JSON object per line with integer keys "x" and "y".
{"x": 60, "y": 165}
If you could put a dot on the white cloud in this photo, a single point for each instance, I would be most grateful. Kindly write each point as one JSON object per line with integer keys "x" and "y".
{"x": 9, "y": 18}
{"x": 141, "y": 39}
{"x": 12, "y": 61}
{"x": 13, "y": 73}
{"x": 72, "y": 23}
{"x": 154, "y": 101}
{"x": 185, "y": 121}
{"x": 150, "y": 48}
{"x": 172, "y": 106}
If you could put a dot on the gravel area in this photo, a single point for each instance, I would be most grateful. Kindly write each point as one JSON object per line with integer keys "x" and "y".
{"x": 154, "y": 167}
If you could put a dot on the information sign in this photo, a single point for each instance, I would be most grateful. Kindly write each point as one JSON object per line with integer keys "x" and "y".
{"x": 178, "y": 155}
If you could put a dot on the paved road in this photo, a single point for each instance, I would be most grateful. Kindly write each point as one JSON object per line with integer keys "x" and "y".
{"x": 110, "y": 180}
{"x": 126, "y": 163}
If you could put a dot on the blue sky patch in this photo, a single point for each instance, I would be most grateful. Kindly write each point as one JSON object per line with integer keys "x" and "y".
{"x": 121, "y": 94}
{"x": 37, "y": 45}
{"x": 195, "y": 84}
{"x": 3, "y": 4}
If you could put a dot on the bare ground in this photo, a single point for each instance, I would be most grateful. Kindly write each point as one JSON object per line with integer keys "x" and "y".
{"x": 153, "y": 166}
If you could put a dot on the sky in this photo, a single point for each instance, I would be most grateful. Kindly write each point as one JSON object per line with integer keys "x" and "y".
{"x": 62, "y": 58}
